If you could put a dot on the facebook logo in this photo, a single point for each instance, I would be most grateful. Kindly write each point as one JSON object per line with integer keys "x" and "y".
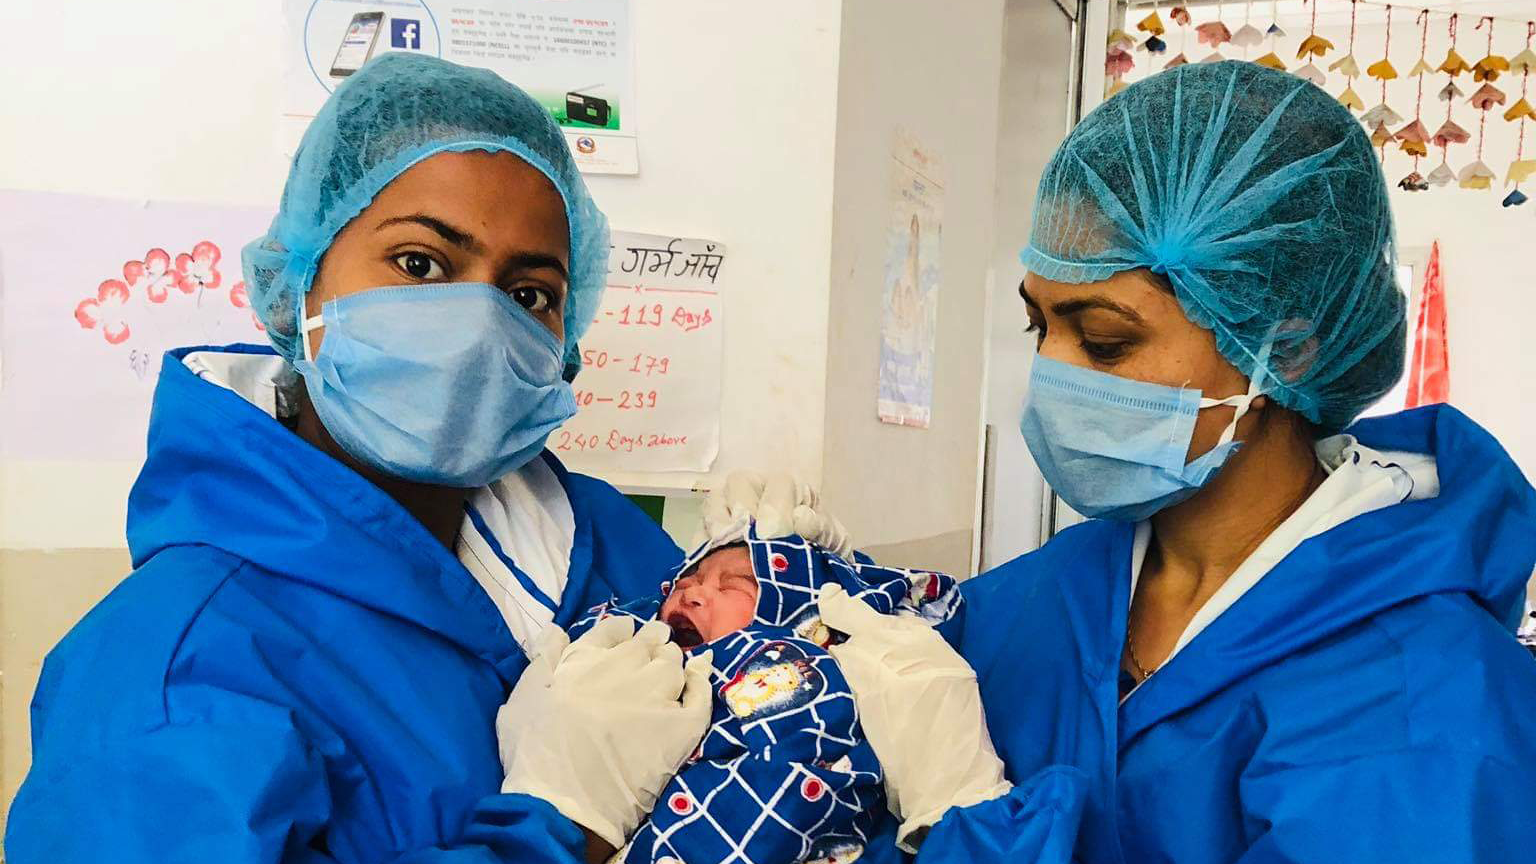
{"x": 404, "y": 33}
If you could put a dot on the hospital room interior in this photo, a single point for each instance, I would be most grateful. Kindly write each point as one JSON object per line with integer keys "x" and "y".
{"x": 699, "y": 431}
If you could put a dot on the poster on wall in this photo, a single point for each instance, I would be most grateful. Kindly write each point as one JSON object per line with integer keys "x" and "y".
{"x": 87, "y": 312}
{"x": 910, "y": 302}
{"x": 573, "y": 56}
{"x": 648, "y": 394}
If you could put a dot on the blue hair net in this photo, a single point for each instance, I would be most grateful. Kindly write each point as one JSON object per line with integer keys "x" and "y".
{"x": 1259, "y": 198}
{"x": 397, "y": 110}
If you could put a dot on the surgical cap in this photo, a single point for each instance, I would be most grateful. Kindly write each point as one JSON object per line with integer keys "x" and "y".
{"x": 1259, "y": 199}
{"x": 394, "y": 112}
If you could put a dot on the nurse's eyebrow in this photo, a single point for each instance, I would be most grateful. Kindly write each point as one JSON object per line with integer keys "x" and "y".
{"x": 462, "y": 239}
{"x": 536, "y": 261}
{"x": 1072, "y": 307}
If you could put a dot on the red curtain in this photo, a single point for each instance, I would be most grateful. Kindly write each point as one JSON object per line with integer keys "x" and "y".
{"x": 1429, "y": 373}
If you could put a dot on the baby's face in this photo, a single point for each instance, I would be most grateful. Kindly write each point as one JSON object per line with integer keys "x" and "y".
{"x": 715, "y": 598}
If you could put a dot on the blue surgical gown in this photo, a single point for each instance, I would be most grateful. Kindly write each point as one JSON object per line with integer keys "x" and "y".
{"x": 296, "y": 670}
{"x": 1365, "y": 702}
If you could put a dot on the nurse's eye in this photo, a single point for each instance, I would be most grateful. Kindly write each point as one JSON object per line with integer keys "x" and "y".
{"x": 1038, "y": 330}
{"x": 1104, "y": 352}
{"x": 536, "y": 300}
{"x": 419, "y": 265}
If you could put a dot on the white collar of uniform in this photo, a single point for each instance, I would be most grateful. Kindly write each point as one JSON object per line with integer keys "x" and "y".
{"x": 524, "y": 518}
{"x": 1360, "y": 480}
{"x": 253, "y": 377}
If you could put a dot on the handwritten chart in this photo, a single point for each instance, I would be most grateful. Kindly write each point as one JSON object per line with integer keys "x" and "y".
{"x": 648, "y": 396}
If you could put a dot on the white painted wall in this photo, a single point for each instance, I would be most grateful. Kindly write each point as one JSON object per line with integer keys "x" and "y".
{"x": 933, "y": 70}
{"x": 178, "y": 99}
{"x": 1033, "y": 117}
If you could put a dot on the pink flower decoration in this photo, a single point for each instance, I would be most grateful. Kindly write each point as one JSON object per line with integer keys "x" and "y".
{"x": 242, "y": 300}
{"x": 199, "y": 270}
{"x": 1117, "y": 63}
{"x": 152, "y": 276}
{"x": 106, "y": 310}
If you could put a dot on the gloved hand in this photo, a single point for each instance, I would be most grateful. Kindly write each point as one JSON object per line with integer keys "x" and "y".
{"x": 921, "y": 709}
{"x": 780, "y": 504}
{"x": 599, "y": 726}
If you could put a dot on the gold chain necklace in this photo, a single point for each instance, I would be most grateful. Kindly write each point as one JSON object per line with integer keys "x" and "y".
{"x": 1130, "y": 643}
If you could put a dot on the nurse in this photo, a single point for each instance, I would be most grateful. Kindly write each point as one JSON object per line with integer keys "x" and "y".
{"x": 1284, "y": 638}
{"x": 342, "y": 547}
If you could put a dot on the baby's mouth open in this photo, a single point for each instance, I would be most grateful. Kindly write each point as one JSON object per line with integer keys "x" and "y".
{"x": 683, "y": 632}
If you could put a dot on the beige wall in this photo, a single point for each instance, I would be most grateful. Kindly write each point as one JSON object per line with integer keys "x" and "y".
{"x": 933, "y": 70}
{"x": 42, "y": 595}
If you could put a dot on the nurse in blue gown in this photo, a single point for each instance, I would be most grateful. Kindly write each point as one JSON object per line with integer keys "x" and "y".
{"x": 345, "y": 548}
{"x": 1286, "y": 636}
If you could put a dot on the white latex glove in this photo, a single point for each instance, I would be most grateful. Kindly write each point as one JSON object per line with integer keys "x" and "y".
{"x": 598, "y": 727}
{"x": 921, "y": 710}
{"x": 780, "y": 504}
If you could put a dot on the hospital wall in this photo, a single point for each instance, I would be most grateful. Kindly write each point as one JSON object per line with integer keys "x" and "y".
{"x": 1034, "y": 116}
{"x": 179, "y": 100}
{"x": 932, "y": 70}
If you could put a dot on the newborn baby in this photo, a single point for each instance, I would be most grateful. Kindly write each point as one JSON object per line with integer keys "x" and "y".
{"x": 784, "y": 774}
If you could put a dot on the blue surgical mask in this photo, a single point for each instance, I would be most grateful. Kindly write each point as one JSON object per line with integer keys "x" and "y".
{"x": 1114, "y": 448}
{"x": 452, "y": 384}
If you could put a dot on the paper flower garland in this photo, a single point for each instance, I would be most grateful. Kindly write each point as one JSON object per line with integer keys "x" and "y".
{"x": 1349, "y": 68}
{"x": 1414, "y": 138}
{"x": 1117, "y": 61}
{"x": 1450, "y": 132}
{"x": 1271, "y": 60}
{"x": 1382, "y": 114}
{"x": 1522, "y": 168}
{"x": 1248, "y": 36}
{"x": 1478, "y": 175}
{"x": 1153, "y": 26}
{"x": 1180, "y": 16}
{"x": 1313, "y": 46}
{"x": 1385, "y": 125}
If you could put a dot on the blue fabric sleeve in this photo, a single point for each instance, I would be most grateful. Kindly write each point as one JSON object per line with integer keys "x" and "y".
{"x": 237, "y": 793}
{"x": 510, "y": 829}
{"x": 1393, "y": 807}
{"x": 233, "y": 792}
{"x": 1037, "y": 822}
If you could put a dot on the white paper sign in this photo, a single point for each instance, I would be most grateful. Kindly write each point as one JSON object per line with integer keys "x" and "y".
{"x": 94, "y": 291}
{"x": 573, "y": 56}
{"x": 648, "y": 395}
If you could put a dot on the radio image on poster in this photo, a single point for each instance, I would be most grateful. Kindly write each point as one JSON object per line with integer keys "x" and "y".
{"x": 581, "y": 107}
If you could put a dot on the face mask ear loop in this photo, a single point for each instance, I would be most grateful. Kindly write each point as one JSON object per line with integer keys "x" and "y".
{"x": 310, "y": 325}
{"x": 1242, "y": 403}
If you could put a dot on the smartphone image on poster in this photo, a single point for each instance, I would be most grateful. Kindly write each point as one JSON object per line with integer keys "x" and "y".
{"x": 357, "y": 43}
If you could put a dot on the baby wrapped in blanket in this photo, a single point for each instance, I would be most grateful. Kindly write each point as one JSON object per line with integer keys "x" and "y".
{"x": 784, "y": 774}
